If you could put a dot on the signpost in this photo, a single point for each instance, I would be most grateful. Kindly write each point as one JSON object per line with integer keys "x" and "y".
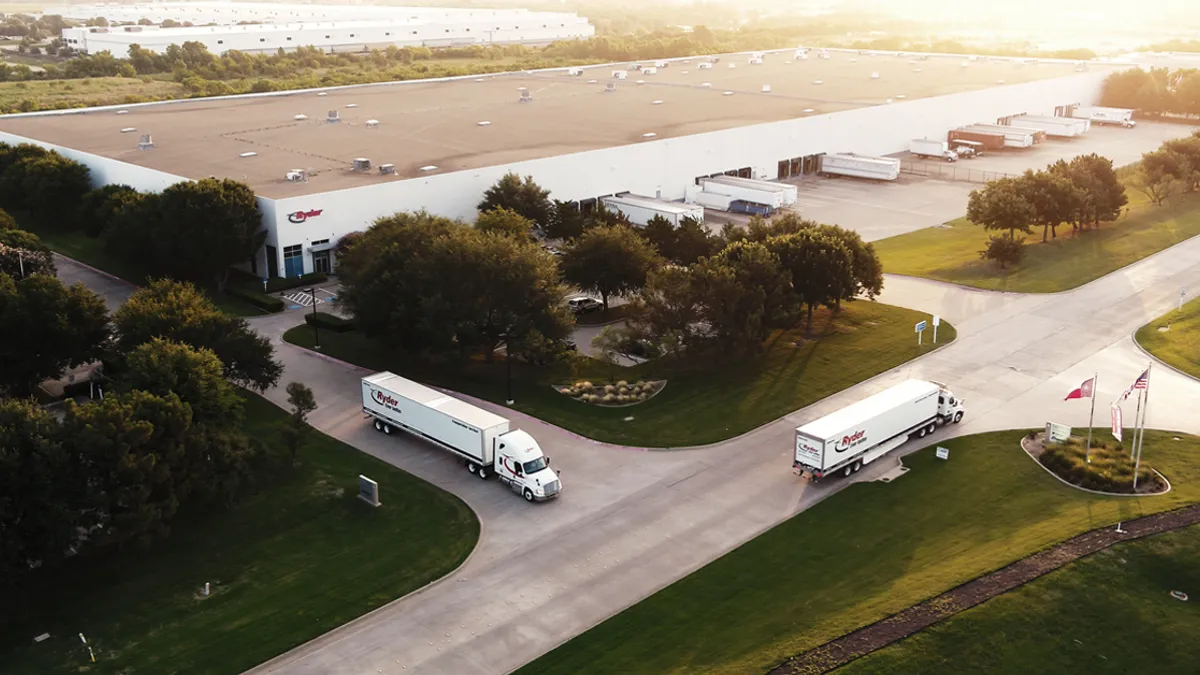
{"x": 920, "y": 331}
{"x": 943, "y": 453}
{"x": 1182, "y": 292}
{"x": 368, "y": 490}
{"x": 937, "y": 321}
{"x": 1057, "y": 433}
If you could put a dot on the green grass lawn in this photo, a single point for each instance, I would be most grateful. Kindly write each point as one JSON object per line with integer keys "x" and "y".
{"x": 861, "y": 555}
{"x": 702, "y": 402}
{"x": 1179, "y": 345}
{"x": 952, "y": 253}
{"x": 298, "y": 558}
{"x": 1110, "y": 612}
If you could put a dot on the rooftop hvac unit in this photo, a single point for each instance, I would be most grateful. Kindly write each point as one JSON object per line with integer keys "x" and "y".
{"x": 575, "y": 72}
{"x": 300, "y": 118}
{"x": 766, "y": 89}
{"x": 704, "y": 65}
{"x": 526, "y": 97}
{"x": 620, "y": 74}
{"x": 733, "y": 65}
{"x": 128, "y": 130}
{"x": 333, "y": 116}
{"x": 387, "y": 169}
{"x": 660, "y": 64}
{"x": 372, "y": 124}
{"x": 362, "y": 164}
{"x": 755, "y": 61}
{"x": 874, "y": 76}
{"x": 649, "y": 71}
{"x": 145, "y": 142}
{"x": 610, "y": 87}
{"x": 297, "y": 176}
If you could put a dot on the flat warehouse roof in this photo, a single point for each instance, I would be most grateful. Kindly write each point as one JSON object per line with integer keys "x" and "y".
{"x": 438, "y": 123}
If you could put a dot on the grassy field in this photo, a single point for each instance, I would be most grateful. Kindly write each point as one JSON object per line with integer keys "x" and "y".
{"x": 93, "y": 91}
{"x": 861, "y": 555}
{"x": 1108, "y": 613}
{"x": 952, "y": 253}
{"x": 1179, "y": 345}
{"x": 702, "y": 402}
{"x": 298, "y": 558}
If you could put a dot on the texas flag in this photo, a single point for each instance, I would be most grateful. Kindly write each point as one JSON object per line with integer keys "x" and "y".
{"x": 1084, "y": 390}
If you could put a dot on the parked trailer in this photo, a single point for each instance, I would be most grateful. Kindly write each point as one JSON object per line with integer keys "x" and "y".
{"x": 924, "y": 147}
{"x": 789, "y": 192}
{"x": 639, "y": 210}
{"x": 843, "y": 442}
{"x": 1118, "y": 116}
{"x": 860, "y": 166}
{"x": 773, "y": 198}
{"x": 1012, "y": 138}
{"x": 742, "y": 206}
{"x": 709, "y": 200}
{"x": 989, "y": 140}
{"x": 483, "y": 439}
{"x": 1062, "y": 127}
{"x": 1038, "y": 135}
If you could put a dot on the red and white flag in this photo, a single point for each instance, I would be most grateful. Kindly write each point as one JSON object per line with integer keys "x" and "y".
{"x": 1084, "y": 390}
{"x": 1117, "y": 423}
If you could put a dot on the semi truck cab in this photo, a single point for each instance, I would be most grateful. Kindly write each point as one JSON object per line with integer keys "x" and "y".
{"x": 950, "y": 408}
{"x": 522, "y": 466}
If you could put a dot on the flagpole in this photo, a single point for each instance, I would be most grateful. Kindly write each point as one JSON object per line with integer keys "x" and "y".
{"x": 1137, "y": 465}
{"x": 1087, "y": 454}
{"x": 1136, "y": 416}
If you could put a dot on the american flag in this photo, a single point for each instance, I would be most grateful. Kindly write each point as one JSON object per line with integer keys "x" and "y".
{"x": 1143, "y": 382}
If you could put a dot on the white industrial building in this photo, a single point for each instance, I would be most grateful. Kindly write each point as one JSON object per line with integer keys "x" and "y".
{"x": 328, "y": 162}
{"x": 225, "y": 13}
{"x": 455, "y": 29}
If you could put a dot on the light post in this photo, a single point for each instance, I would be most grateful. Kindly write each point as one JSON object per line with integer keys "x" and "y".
{"x": 21, "y": 263}
{"x": 316, "y": 331}
{"x": 508, "y": 399}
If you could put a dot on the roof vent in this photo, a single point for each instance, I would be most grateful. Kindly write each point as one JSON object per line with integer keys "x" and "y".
{"x": 874, "y": 76}
{"x": 649, "y": 134}
{"x": 145, "y": 142}
{"x": 916, "y": 70}
{"x": 479, "y": 79}
{"x": 610, "y": 87}
{"x": 766, "y": 89}
{"x": 296, "y": 176}
{"x": 808, "y": 110}
{"x": 362, "y": 164}
{"x": 754, "y": 61}
{"x": 683, "y": 72}
{"x": 999, "y": 81}
{"x": 333, "y": 116}
{"x": 728, "y": 93}
{"x": 574, "y": 72}
{"x": 122, "y": 112}
{"x": 706, "y": 84}
{"x": 656, "y": 102}
{"x": 428, "y": 168}
{"x": 526, "y": 97}
{"x": 372, "y": 124}
{"x": 387, "y": 169}
{"x": 733, "y": 65}
{"x": 351, "y": 105}
{"x": 245, "y": 155}
{"x": 321, "y": 93}
{"x": 483, "y": 123}
{"x": 817, "y": 81}
{"x": 591, "y": 81}
{"x": 300, "y": 118}
{"x": 704, "y": 65}
{"x": 620, "y": 74}
{"x": 900, "y": 96}
{"x": 127, "y": 130}
{"x": 649, "y": 71}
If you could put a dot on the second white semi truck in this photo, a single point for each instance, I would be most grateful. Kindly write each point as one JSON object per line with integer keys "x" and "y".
{"x": 932, "y": 149}
{"x": 1118, "y": 116}
{"x": 843, "y": 442}
{"x": 483, "y": 439}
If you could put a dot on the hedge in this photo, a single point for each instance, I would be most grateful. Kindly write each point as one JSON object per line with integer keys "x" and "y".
{"x": 267, "y": 302}
{"x": 284, "y": 283}
{"x": 330, "y": 322}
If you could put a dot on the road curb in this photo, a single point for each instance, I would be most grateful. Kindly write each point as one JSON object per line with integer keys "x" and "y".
{"x": 95, "y": 270}
{"x": 1133, "y": 336}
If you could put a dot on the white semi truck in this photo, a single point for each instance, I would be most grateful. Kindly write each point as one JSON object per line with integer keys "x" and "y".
{"x": 483, "y": 439}
{"x": 847, "y": 440}
{"x": 1119, "y": 116}
{"x": 933, "y": 149}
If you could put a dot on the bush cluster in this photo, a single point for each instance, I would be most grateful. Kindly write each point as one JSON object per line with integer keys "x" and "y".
{"x": 1109, "y": 470}
{"x": 617, "y": 394}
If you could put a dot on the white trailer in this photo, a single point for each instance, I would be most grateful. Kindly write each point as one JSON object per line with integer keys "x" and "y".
{"x": 845, "y": 441}
{"x": 639, "y": 210}
{"x": 1013, "y": 138}
{"x": 933, "y": 149}
{"x": 483, "y": 439}
{"x": 752, "y": 190}
{"x": 1035, "y": 135}
{"x": 1062, "y": 127}
{"x": 709, "y": 200}
{"x": 860, "y": 166}
{"x": 1118, "y": 116}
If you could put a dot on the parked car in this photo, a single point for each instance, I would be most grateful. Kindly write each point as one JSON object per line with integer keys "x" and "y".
{"x": 581, "y": 304}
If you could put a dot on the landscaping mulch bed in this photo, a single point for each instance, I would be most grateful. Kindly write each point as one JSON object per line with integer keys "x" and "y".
{"x": 882, "y": 633}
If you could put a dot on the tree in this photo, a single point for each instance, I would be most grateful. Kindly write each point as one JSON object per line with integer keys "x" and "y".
{"x": 1156, "y": 176}
{"x": 99, "y": 208}
{"x": 821, "y": 269}
{"x": 661, "y": 234}
{"x": 210, "y": 224}
{"x": 1187, "y": 152}
{"x": 1102, "y": 193}
{"x": 23, "y": 254}
{"x": 867, "y": 268}
{"x": 41, "y": 181}
{"x": 506, "y": 222}
{"x": 1055, "y": 200}
{"x": 565, "y": 223}
{"x": 48, "y": 327}
{"x": 692, "y": 242}
{"x": 162, "y": 367}
{"x": 1005, "y": 251}
{"x": 611, "y": 343}
{"x": 609, "y": 261}
{"x": 303, "y": 403}
{"x": 744, "y": 292}
{"x": 1001, "y": 206}
{"x": 668, "y": 305}
{"x": 7, "y": 222}
{"x": 523, "y": 196}
{"x": 177, "y": 311}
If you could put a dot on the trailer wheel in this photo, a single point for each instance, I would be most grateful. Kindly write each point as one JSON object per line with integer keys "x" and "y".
{"x": 856, "y": 466}
{"x": 923, "y": 431}
{"x": 481, "y": 471}
{"x": 528, "y": 495}
{"x": 848, "y": 470}
{"x": 932, "y": 427}
{"x": 387, "y": 429}
{"x": 958, "y": 417}
{"x": 471, "y": 467}
{"x": 378, "y": 425}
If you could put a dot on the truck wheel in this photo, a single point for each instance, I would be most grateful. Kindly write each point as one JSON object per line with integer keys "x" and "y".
{"x": 471, "y": 467}
{"x": 856, "y": 466}
{"x": 387, "y": 429}
{"x": 932, "y": 427}
{"x": 958, "y": 417}
{"x": 378, "y": 425}
{"x": 528, "y": 494}
{"x": 848, "y": 470}
{"x": 482, "y": 472}
{"x": 922, "y": 432}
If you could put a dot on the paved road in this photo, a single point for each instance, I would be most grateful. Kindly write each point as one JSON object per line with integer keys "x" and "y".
{"x": 630, "y": 522}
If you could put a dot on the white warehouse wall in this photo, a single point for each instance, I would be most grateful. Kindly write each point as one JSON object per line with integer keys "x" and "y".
{"x": 671, "y": 165}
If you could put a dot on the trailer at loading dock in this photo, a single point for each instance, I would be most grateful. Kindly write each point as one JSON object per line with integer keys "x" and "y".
{"x": 639, "y": 210}
{"x": 860, "y": 166}
{"x": 709, "y": 200}
{"x": 1036, "y": 135}
{"x": 989, "y": 141}
{"x": 750, "y": 187}
{"x": 1061, "y": 127}
{"x": 1013, "y": 138}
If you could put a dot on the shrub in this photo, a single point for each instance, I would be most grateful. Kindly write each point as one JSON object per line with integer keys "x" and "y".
{"x": 284, "y": 283}
{"x": 330, "y": 322}
{"x": 1004, "y": 251}
{"x": 267, "y": 302}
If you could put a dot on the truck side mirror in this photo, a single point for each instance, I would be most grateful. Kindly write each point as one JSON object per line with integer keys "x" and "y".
{"x": 547, "y": 461}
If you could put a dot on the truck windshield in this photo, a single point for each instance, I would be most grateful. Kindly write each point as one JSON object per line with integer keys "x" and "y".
{"x": 534, "y": 466}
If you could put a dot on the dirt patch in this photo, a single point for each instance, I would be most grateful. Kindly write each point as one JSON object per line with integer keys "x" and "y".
{"x": 863, "y": 641}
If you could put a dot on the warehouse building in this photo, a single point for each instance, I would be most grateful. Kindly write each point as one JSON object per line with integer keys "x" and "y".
{"x": 329, "y": 162}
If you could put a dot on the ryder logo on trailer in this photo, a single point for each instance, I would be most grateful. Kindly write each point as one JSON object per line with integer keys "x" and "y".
{"x": 851, "y": 440}
{"x": 301, "y": 216}
{"x": 385, "y": 399}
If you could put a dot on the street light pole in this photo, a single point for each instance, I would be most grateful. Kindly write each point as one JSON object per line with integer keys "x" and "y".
{"x": 316, "y": 331}
{"x": 508, "y": 399}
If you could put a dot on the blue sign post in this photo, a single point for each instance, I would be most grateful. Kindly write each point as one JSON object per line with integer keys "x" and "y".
{"x": 920, "y": 331}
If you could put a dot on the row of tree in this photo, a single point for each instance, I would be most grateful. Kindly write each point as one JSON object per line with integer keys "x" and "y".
{"x": 166, "y": 433}
{"x": 1084, "y": 192}
{"x": 1156, "y": 91}
{"x": 1173, "y": 169}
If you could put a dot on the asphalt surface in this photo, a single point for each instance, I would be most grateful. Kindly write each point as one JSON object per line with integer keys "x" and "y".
{"x": 630, "y": 521}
